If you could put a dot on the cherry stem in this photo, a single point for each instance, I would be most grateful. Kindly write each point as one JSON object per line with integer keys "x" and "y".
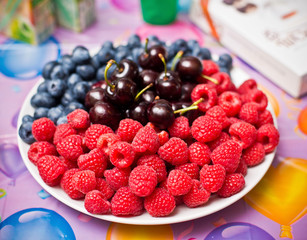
{"x": 109, "y": 64}
{"x": 142, "y": 91}
{"x": 176, "y": 59}
{"x": 146, "y": 45}
{"x": 210, "y": 79}
{"x": 194, "y": 106}
{"x": 197, "y": 102}
{"x": 163, "y": 60}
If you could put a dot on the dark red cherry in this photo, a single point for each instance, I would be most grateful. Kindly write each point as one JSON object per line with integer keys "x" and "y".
{"x": 146, "y": 77}
{"x": 126, "y": 68}
{"x": 148, "y": 96}
{"x": 93, "y": 96}
{"x": 186, "y": 90}
{"x": 189, "y": 68}
{"x": 138, "y": 112}
{"x": 150, "y": 59}
{"x": 168, "y": 85}
{"x": 160, "y": 113}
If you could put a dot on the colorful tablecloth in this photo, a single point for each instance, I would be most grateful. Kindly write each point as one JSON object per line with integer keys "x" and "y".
{"x": 274, "y": 209}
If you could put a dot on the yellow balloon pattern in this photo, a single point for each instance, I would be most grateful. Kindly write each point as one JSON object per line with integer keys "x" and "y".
{"x": 119, "y": 231}
{"x": 281, "y": 194}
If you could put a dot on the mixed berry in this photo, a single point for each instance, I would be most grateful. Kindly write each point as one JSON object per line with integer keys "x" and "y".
{"x": 146, "y": 127}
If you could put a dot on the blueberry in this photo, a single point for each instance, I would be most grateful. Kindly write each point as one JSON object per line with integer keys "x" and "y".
{"x": 48, "y": 68}
{"x": 202, "y": 53}
{"x": 42, "y": 87}
{"x": 73, "y": 106}
{"x": 56, "y": 87}
{"x": 105, "y": 54}
{"x": 100, "y": 72}
{"x": 81, "y": 55}
{"x": 80, "y": 90}
{"x": 121, "y": 54}
{"x": 61, "y": 120}
{"x": 136, "y": 52}
{"x": 55, "y": 112}
{"x": 192, "y": 44}
{"x": 67, "y": 64}
{"x": 108, "y": 44}
{"x": 95, "y": 61}
{"x": 225, "y": 70}
{"x": 41, "y": 112}
{"x": 134, "y": 41}
{"x": 180, "y": 44}
{"x": 73, "y": 79}
{"x": 67, "y": 97}
{"x": 153, "y": 38}
{"x": 58, "y": 72}
{"x": 43, "y": 99}
{"x": 171, "y": 52}
{"x": 225, "y": 60}
{"x": 25, "y": 132}
{"x": 86, "y": 72}
{"x": 27, "y": 118}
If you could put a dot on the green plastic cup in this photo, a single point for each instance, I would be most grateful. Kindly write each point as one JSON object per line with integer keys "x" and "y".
{"x": 159, "y": 12}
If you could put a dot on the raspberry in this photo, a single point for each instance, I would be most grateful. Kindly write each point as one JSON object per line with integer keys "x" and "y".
{"x": 259, "y": 98}
{"x": 105, "y": 141}
{"x": 40, "y": 149}
{"x": 230, "y": 102}
{"x": 69, "y": 164}
{"x": 228, "y": 154}
{"x": 79, "y": 119}
{"x": 43, "y": 129}
{"x": 142, "y": 180}
{"x": 219, "y": 115}
{"x": 146, "y": 141}
{"x": 212, "y": 177}
{"x": 199, "y": 153}
{"x": 160, "y": 203}
{"x": 209, "y": 67}
{"x": 121, "y": 154}
{"x": 224, "y": 82}
{"x": 51, "y": 169}
{"x": 233, "y": 184}
{"x": 268, "y": 135}
{"x": 95, "y": 203}
{"x": 70, "y": 147}
{"x": 205, "y": 129}
{"x": 104, "y": 188}
{"x": 197, "y": 196}
{"x": 175, "y": 151}
{"x": 264, "y": 118}
{"x": 67, "y": 185}
{"x": 156, "y": 163}
{"x": 117, "y": 177}
{"x": 84, "y": 181}
{"x": 224, "y": 137}
{"x": 127, "y": 129}
{"x": 247, "y": 86}
{"x": 163, "y": 137}
{"x": 253, "y": 155}
{"x": 63, "y": 131}
{"x": 126, "y": 203}
{"x": 249, "y": 113}
{"x": 93, "y": 133}
{"x": 178, "y": 182}
{"x": 180, "y": 128}
{"x": 243, "y": 133}
{"x": 191, "y": 169}
{"x": 242, "y": 168}
{"x": 96, "y": 161}
{"x": 208, "y": 93}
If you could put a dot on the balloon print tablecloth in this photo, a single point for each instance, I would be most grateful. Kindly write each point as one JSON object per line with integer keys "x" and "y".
{"x": 274, "y": 209}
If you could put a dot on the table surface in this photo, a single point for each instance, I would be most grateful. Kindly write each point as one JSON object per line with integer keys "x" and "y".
{"x": 274, "y": 209}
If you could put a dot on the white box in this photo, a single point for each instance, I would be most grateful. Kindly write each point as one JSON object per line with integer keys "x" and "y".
{"x": 272, "y": 36}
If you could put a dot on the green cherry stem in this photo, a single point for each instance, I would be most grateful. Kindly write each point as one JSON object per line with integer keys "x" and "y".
{"x": 176, "y": 59}
{"x": 194, "y": 106}
{"x": 210, "y": 79}
{"x": 142, "y": 91}
{"x": 164, "y": 62}
{"x": 146, "y": 46}
{"x": 109, "y": 64}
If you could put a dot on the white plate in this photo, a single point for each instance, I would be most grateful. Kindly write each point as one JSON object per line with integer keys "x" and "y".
{"x": 181, "y": 213}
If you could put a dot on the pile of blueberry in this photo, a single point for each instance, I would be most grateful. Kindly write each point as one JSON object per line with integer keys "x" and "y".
{"x": 114, "y": 90}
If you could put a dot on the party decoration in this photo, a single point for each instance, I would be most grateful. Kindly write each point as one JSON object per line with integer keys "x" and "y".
{"x": 2, "y": 193}
{"x": 36, "y": 223}
{"x": 139, "y": 232}
{"x": 281, "y": 195}
{"x": 238, "y": 230}
{"x": 302, "y": 120}
{"x": 43, "y": 194}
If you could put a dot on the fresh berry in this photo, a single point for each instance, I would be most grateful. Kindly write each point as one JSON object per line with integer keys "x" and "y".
{"x": 146, "y": 141}
{"x": 93, "y": 133}
{"x": 79, "y": 118}
{"x": 117, "y": 177}
{"x": 96, "y": 160}
{"x": 121, "y": 154}
{"x": 156, "y": 163}
{"x": 247, "y": 86}
{"x": 43, "y": 129}
{"x": 224, "y": 82}
{"x": 264, "y": 118}
{"x": 243, "y": 133}
{"x": 175, "y": 151}
{"x": 25, "y": 132}
{"x": 68, "y": 164}
{"x": 228, "y": 154}
{"x": 67, "y": 185}
{"x": 268, "y": 135}
{"x": 142, "y": 180}
{"x": 160, "y": 113}
{"x": 178, "y": 182}
{"x": 191, "y": 169}
{"x": 257, "y": 97}
{"x": 180, "y": 128}
{"x": 106, "y": 140}
{"x": 254, "y": 154}
{"x": 126, "y": 203}
{"x": 199, "y": 153}
{"x": 209, "y": 67}
{"x": 205, "y": 129}
{"x": 197, "y": 196}
{"x": 163, "y": 137}
{"x": 40, "y": 149}
{"x": 233, "y": 184}
{"x": 208, "y": 93}
{"x": 224, "y": 137}
{"x": 84, "y": 181}
{"x": 242, "y": 168}
{"x": 219, "y": 115}
{"x": 212, "y": 177}
{"x": 160, "y": 203}
{"x": 249, "y": 113}
{"x": 70, "y": 147}
{"x": 127, "y": 129}
{"x": 95, "y": 203}
{"x": 230, "y": 102}
{"x": 51, "y": 169}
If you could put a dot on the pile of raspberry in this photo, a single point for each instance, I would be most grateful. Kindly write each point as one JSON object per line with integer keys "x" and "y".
{"x": 141, "y": 168}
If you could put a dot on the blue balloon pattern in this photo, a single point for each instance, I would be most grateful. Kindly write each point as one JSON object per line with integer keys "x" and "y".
{"x": 238, "y": 231}
{"x": 36, "y": 224}
{"x": 24, "y": 61}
